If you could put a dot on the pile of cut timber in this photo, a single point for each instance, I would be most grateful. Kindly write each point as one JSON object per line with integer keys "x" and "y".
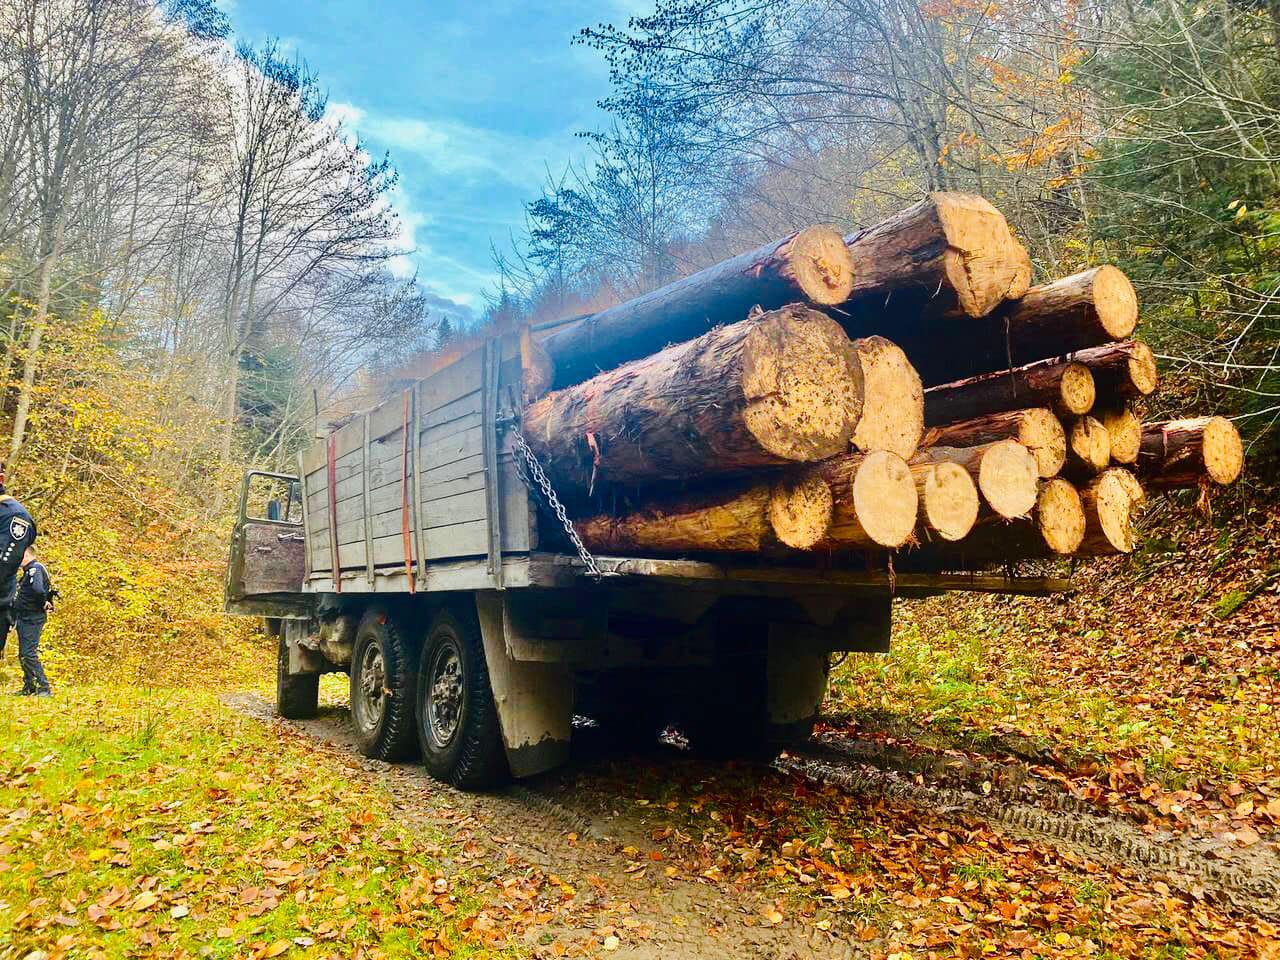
{"x": 902, "y": 387}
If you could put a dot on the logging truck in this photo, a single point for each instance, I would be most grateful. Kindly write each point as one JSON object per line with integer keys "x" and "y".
{"x": 677, "y": 509}
{"x": 421, "y": 549}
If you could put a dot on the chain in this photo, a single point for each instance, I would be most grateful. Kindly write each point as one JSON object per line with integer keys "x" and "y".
{"x": 535, "y": 478}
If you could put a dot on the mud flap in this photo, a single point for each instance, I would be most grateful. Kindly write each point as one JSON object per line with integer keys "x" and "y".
{"x": 797, "y": 680}
{"x": 534, "y": 700}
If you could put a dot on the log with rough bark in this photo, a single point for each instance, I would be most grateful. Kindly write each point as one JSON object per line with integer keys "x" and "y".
{"x": 1088, "y": 448}
{"x": 1120, "y": 370}
{"x": 1005, "y": 473}
{"x": 893, "y": 400}
{"x": 948, "y": 500}
{"x": 1036, "y": 428}
{"x": 873, "y": 496}
{"x": 1061, "y": 385}
{"x": 1184, "y": 453}
{"x": 739, "y": 517}
{"x": 949, "y": 252}
{"x": 1111, "y": 502}
{"x": 811, "y": 266}
{"x": 1082, "y": 310}
{"x": 776, "y": 388}
{"x": 1124, "y": 427}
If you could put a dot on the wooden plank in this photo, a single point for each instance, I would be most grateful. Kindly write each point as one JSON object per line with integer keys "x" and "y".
{"x": 458, "y": 379}
{"x": 493, "y": 506}
{"x": 420, "y": 543}
{"x": 459, "y": 508}
{"x": 454, "y": 479}
{"x": 307, "y": 534}
{"x": 470, "y": 539}
{"x": 452, "y": 412}
{"x": 441, "y": 450}
{"x": 368, "y": 510}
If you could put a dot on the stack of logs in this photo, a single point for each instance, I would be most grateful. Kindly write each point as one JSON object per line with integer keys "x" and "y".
{"x": 904, "y": 386}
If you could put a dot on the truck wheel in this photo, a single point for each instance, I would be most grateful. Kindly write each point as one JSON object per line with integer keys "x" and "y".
{"x": 457, "y": 721}
{"x": 382, "y": 689}
{"x": 297, "y": 694}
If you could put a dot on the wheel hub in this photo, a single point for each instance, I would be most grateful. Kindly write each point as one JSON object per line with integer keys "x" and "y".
{"x": 372, "y": 700}
{"x": 444, "y": 696}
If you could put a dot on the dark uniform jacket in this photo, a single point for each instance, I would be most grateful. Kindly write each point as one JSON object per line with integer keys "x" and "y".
{"x": 34, "y": 590}
{"x": 17, "y": 532}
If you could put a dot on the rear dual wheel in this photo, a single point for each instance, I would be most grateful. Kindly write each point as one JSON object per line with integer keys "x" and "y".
{"x": 383, "y": 688}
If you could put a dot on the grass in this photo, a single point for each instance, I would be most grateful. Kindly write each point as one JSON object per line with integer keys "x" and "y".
{"x": 159, "y": 822}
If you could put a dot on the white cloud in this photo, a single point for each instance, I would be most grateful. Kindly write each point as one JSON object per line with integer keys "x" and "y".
{"x": 346, "y": 114}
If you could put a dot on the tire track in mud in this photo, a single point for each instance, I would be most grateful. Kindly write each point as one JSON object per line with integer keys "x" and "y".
{"x": 1247, "y": 879}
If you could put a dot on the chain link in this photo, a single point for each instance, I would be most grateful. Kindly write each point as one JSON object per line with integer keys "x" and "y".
{"x": 535, "y": 478}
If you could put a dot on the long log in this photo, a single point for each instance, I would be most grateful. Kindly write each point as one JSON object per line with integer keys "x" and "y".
{"x": 1111, "y": 504}
{"x": 1085, "y": 309}
{"x": 732, "y": 520}
{"x": 1036, "y": 428}
{"x": 1005, "y": 473}
{"x": 1063, "y": 386}
{"x": 776, "y": 388}
{"x": 948, "y": 500}
{"x": 949, "y": 252}
{"x": 893, "y": 399}
{"x": 811, "y": 266}
{"x": 1120, "y": 370}
{"x": 1183, "y": 453}
{"x": 874, "y": 500}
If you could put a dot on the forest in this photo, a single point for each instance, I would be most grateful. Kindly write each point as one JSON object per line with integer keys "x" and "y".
{"x": 202, "y": 269}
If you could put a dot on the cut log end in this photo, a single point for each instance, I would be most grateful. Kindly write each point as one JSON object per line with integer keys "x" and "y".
{"x": 1110, "y": 504}
{"x": 984, "y": 262}
{"x": 1124, "y": 428}
{"x": 1009, "y": 479}
{"x": 1042, "y": 434}
{"x": 1222, "y": 450}
{"x": 1090, "y": 445}
{"x": 948, "y": 499}
{"x": 1142, "y": 369}
{"x": 878, "y": 509}
{"x": 803, "y": 385}
{"x": 1060, "y": 516}
{"x": 893, "y": 399}
{"x": 800, "y": 512}
{"x": 1076, "y": 391}
{"x": 1114, "y": 302}
{"x": 819, "y": 263}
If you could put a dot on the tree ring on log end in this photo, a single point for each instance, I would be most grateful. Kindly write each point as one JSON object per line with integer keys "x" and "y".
{"x": 820, "y": 264}
{"x": 1076, "y": 391}
{"x": 1060, "y": 516}
{"x": 884, "y": 498}
{"x": 893, "y": 399}
{"x": 1091, "y": 443}
{"x": 1222, "y": 450}
{"x": 950, "y": 500}
{"x": 984, "y": 263}
{"x": 1142, "y": 369}
{"x": 1114, "y": 302}
{"x": 1125, "y": 431}
{"x": 1041, "y": 432}
{"x": 1009, "y": 479}
{"x": 802, "y": 385}
{"x": 1110, "y": 502}
{"x": 800, "y": 511}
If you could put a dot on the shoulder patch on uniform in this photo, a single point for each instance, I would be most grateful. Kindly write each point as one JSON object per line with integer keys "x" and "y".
{"x": 18, "y": 528}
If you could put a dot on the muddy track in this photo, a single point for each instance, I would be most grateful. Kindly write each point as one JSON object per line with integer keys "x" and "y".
{"x": 1246, "y": 879}
{"x": 572, "y": 823}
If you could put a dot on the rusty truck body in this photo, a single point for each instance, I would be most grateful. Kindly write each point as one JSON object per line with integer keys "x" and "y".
{"x": 419, "y": 551}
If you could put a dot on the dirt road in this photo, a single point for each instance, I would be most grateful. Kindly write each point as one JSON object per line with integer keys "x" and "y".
{"x": 847, "y": 848}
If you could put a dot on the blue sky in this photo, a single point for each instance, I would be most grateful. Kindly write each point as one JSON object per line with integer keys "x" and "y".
{"x": 473, "y": 100}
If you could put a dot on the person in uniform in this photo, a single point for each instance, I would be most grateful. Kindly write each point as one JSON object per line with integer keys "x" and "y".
{"x": 31, "y": 609}
{"x": 17, "y": 532}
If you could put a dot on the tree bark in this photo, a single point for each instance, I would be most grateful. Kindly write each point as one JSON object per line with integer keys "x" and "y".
{"x": 1053, "y": 319}
{"x": 1120, "y": 371}
{"x": 1005, "y": 473}
{"x": 1061, "y": 385}
{"x": 810, "y": 266}
{"x": 1036, "y": 428}
{"x": 1185, "y": 453}
{"x": 39, "y": 320}
{"x": 776, "y": 388}
{"x": 951, "y": 252}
